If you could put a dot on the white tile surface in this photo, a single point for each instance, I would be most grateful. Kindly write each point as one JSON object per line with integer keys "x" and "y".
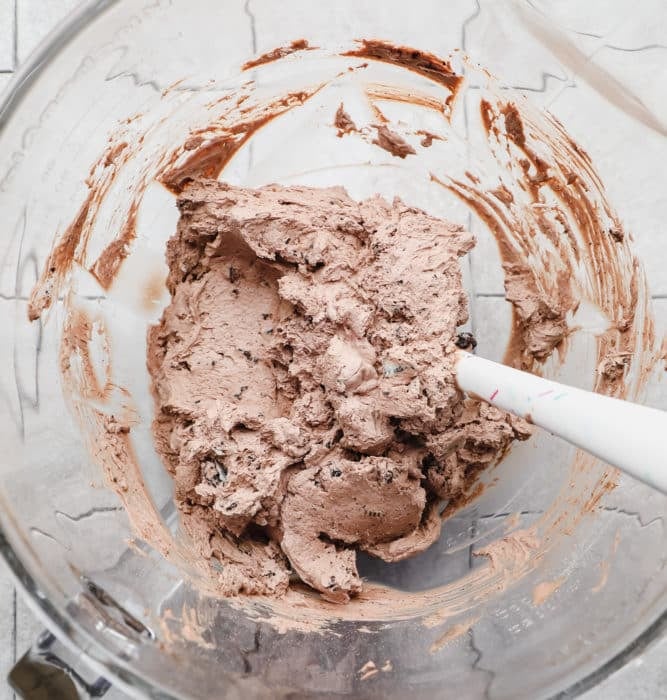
{"x": 492, "y": 323}
{"x": 4, "y": 81}
{"x": 6, "y": 34}
{"x": 598, "y": 17}
{"x": 36, "y": 18}
{"x": 392, "y": 21}
{"x": 7, "y": 594}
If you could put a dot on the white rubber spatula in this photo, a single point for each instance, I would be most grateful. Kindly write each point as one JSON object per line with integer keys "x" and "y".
{"x": 622, "y": 434}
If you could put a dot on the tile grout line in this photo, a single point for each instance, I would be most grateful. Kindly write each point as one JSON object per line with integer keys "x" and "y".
{"x": 469, "y": 221}
{"x": 471, "y": 267}
{"x": 14, "y": 631}
{"x": 15, "y": 36}
{"x": 252, "y": 20}
{"x": 15, "y": 65}
{"x": 466, "y": 122}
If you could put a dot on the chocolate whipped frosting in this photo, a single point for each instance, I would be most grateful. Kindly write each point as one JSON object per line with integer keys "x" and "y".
{"x": 304, "y": 382}
{"x": 392, "y": 142}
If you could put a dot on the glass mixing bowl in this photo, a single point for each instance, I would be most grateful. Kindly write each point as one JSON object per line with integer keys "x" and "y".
{"x": 540, "y": 586}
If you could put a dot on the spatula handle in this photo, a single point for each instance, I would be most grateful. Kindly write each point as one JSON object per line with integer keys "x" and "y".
{"x": 622, "y": 434}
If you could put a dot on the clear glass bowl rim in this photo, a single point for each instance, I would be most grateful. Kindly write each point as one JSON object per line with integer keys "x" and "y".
{"x": 57, "y": 619}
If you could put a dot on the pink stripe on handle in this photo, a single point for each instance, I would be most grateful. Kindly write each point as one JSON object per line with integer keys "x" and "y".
{"x": 493, "y": 396}
{"x": 545, "y": 393}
